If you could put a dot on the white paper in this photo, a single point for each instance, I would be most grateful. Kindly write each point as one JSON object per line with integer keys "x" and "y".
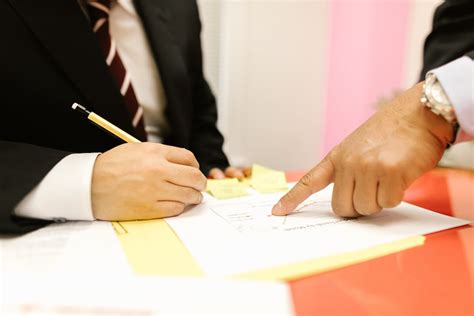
{"x": 80, "y": 248}
{"x": 240, "y": 235}
{"x": 79, "y": 268}
{"x": 145, "y": 296}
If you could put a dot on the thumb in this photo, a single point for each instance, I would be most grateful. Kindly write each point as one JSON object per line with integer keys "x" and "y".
{"x": 315, "y": 180}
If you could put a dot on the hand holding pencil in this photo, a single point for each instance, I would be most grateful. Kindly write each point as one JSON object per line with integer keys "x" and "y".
{"x": 142, "y": 180}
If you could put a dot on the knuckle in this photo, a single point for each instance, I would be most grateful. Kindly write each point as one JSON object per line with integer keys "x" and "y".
{"x": 191, "y": 197}
{"x": 179, "y": 210}
{"x": 334, "y": 154}
{"x": 188, "y": 155}
{"x": 307, "y": 181}
{"x": 150, "y": 147}
{"x": 350, "y": 162}
{"x": 367, "y": 163}
{"x": 390, "y": 201}
{"x": 197, "y": 175}
{"x": 175, "y": 209}
{"x": 389, "y": 167}
{"x": 341, "y": 209}
{"x": 154, "y": 167}
{"x": 198, "y": 178}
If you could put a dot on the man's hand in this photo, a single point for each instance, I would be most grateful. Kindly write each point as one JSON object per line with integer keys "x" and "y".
{"x": 374, "y": 165}
{"x": 230, "y": 172}
{"x": 145, "y": 181}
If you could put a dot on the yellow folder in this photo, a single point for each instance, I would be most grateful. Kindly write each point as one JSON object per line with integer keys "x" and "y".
{"x": 152, "y": 248}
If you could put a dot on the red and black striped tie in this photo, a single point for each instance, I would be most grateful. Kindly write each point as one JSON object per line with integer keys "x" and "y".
{"x": 99, "y": 11}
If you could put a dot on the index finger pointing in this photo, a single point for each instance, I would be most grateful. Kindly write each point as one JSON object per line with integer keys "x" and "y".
{"x": 315, "y": 180}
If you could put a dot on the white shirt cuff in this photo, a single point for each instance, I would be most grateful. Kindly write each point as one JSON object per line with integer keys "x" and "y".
{"x": 457, "y": 80}
{"x": 64, "y": 193}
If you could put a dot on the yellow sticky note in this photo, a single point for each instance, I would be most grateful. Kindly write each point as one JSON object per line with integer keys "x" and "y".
{"x": 226, "y": 188}
{"x": 312, "y": 267}
{"x": 153, "y": 248}
{"x": 245, "y": 183}
{"x": 266, "y": 180}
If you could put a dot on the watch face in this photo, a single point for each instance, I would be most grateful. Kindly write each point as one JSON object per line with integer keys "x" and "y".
{"x": 436, "y": 99}
{"x": 435, "y": 93}
{"x": 438, "y": 94}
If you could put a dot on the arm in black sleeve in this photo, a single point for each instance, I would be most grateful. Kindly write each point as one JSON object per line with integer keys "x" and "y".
{"x": 206, "y": 140}
{"x": 22, "y": 167}
{"x": 452, "y": 35}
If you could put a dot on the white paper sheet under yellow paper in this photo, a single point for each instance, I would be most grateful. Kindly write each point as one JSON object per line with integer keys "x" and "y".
{"x": 226, "y": 188}
{"x": 152, "y": 248}
{"x": 266, "y": 180}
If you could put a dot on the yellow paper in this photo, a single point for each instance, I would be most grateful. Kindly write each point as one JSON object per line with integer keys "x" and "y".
{"x": 266, "y": 180}
{"x": 226, "y": 188}
{"x": 312, "y": 267}
{"x": 245, "y": 183}
{"x": 152, "y": 248}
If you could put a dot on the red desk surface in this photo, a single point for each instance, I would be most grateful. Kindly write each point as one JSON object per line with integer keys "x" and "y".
{"x": 434, "y": 279}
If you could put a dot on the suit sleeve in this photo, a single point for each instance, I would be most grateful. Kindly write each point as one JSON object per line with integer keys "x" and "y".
{"x": 451, "y": 36}
{"x": 22, "y": 167}
{"x": 206, "y": 141}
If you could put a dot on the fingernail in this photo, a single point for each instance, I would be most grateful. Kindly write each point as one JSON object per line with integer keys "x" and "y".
{"x": 277, "y": 209}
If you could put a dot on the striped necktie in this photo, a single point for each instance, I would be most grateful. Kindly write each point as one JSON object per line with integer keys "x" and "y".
{"x": 99, "y": 11}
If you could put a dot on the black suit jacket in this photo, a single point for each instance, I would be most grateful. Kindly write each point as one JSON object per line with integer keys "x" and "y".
{"x": 50, "y": 58}
{"x": 452, "y": 35}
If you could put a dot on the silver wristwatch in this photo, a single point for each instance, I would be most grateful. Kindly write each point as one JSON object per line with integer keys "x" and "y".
{"x": 436, "y": 99}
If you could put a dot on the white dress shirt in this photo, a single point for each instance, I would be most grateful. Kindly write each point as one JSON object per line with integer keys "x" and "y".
{"x": 457, "y": 80}
{"x": 65, "y": 192}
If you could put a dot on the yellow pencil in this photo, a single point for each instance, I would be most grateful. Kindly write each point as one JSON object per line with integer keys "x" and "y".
{"x": 106, "y": 125}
